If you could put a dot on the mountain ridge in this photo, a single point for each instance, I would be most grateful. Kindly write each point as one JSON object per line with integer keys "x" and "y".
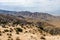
{"x": 34, "y": 16}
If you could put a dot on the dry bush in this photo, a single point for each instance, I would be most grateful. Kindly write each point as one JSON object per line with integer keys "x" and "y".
{"x": 17, "y": 22}
{"x": 3, "y": 26}
{"x": 3, "y": 22}
{"x": 10, "y": 39}
{"x": 18, "y": 30}
{"x": 17, "y": 38}
{"x": 42, "y": 38}
{"x": 11, "y": 29}
{"x": 6, "y": 30}
{"x": 9, "y": 34}
{"x": 0, "y": 34}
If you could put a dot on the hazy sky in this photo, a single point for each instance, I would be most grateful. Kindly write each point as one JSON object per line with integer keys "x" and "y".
{"x": 50, "y": 6}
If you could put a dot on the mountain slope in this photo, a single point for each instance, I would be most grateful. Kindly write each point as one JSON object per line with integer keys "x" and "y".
{"x": 28, "y": 26}
{"x": 34, "y": 16}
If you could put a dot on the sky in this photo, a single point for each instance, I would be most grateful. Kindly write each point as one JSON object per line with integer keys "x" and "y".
{"x": 48, "y": 6}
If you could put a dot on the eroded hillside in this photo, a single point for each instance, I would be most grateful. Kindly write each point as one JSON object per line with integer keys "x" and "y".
{"x": 18, "y": 28}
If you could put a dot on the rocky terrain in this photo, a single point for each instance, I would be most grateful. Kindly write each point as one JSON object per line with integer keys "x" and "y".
{"x": 26, "y": 25}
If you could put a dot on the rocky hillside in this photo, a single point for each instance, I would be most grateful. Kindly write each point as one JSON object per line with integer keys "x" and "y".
{"x": 14, "y": 28}
{"x": 6, "y": 19}
{"x": 26, "y": 25}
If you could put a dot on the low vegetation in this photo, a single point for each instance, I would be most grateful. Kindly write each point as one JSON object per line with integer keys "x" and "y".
{"x": 18, "y": 30}
{"x": 48, "y": 28}
{"x": 17, "y": 38}
{"x": 12, "y": 26}
{"x": 42, "y": 38}
{"x": 6, "y": 30}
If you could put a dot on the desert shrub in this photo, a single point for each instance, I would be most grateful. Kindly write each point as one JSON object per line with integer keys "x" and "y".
{"x": 42, "y": 38}
{"x": 17, "y": 38}
{"x": 0, "y": 31}
{"x": 26, "y": 31}
{"x": 0, "y": 34}
{"x": 3, "y": 22}
{"x": 13, "y": 25}
{"x": 10, "y": 39}
{"x": 18, "y": 30}
{"x": 22, "y": 25}
{"x": 17, "y": 22}
{"x": 11, "y": 29}
{"x": 3, "y": 26}
{"x": 3, "y": 31}
{"x": 9, "y": 36}
{"x": 6, "y": 30}
{"x": 28, "y": 27}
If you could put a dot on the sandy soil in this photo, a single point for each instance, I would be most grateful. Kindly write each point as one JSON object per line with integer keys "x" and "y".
{"x": 29, "y": 33}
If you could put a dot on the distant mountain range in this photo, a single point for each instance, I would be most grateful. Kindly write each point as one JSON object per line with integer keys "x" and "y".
{"x": 27, "y": 14}
{"x": 33, "y": 16}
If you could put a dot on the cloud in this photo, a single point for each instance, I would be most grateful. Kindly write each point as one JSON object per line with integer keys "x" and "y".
{"x": 18, "y": 2}
{"x": 49, "y": 6}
